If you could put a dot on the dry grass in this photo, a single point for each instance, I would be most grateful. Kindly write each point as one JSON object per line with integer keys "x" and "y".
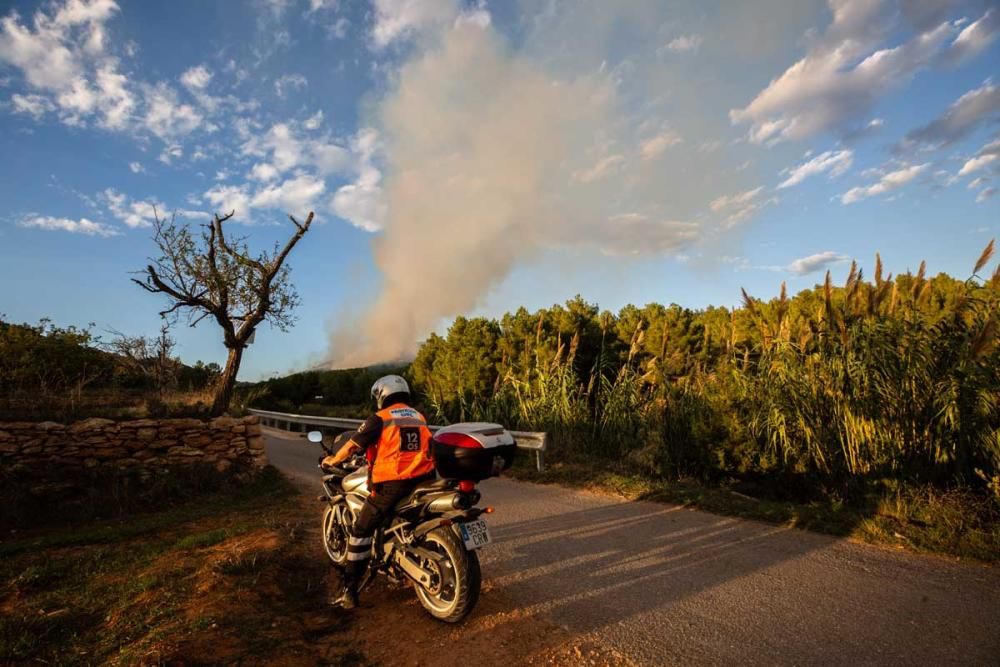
{"x": 228, "y": 579}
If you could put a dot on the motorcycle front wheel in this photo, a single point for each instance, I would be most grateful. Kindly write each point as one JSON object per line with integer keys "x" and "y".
{"x": 454, "y": 588}
{"x": 334, "y": 536}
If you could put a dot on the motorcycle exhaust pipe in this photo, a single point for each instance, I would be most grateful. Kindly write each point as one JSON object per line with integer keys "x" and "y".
{"x": 453, "y": 501}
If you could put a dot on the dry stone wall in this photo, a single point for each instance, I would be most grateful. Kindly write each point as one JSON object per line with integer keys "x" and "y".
{"x": 227, "y": 443}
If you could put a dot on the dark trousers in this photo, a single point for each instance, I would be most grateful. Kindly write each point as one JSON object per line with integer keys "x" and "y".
{"x": 377, "y": 510}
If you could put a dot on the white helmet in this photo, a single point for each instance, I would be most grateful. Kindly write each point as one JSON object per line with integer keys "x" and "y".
{"x": 386, "y": 386}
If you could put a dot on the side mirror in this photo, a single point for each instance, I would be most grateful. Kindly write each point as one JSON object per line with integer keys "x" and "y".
{"x": 315, "y": 436}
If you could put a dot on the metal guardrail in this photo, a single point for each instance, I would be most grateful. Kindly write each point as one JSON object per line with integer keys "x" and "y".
{"x": 287, "y": 421}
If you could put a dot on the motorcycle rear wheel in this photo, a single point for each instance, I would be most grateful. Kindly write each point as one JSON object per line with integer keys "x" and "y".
{"x": 457, "y": 587}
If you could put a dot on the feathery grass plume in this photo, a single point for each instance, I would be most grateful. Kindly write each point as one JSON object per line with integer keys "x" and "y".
{"x": 878, "y": 270}
{"x": 984, "y": 257}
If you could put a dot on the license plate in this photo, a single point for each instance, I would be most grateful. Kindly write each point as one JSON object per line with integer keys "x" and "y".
{"x": 475, "y": 534}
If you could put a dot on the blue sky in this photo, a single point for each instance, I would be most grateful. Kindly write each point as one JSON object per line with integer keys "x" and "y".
{"x": 472, "y": 157}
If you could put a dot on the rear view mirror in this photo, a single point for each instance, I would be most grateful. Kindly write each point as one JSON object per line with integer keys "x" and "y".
{"x": 315, "y": 436}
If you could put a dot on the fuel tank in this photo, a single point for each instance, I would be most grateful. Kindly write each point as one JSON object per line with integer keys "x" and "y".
{"x": 357, "y": 482}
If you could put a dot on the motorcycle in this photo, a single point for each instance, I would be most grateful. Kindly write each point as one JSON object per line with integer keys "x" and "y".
{"x": 432, "y": 537}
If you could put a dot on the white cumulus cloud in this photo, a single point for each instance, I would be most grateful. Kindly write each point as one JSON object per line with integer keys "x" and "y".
{"x": 81, "y": 226}
{"x": 196, "y": 78}
{"x": 817, "y": 262}
{"x": 361, "y": 202}
{"x": 834, "y": 162}
{"x": 846, "y": 71}
{"x": 888, "y": 182}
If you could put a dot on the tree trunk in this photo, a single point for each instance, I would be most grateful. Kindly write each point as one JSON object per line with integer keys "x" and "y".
{"x": 224, "y": 389}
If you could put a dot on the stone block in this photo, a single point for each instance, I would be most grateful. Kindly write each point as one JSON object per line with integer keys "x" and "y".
{"x": 92, "y": 424}
{"x": 222, "y": 423}
{"x": 50, "y": 426}
{"x": 146, "y": 433}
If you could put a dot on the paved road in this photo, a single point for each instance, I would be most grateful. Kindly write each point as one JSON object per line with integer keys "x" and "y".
{"x": 667, "y": 585}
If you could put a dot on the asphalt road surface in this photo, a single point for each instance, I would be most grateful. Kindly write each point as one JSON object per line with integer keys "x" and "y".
{"x": 665, "y": 585}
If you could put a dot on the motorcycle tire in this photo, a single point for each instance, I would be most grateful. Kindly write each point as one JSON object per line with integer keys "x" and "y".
{"x": 458, "y": 587}
{"x": 334, "y": 537}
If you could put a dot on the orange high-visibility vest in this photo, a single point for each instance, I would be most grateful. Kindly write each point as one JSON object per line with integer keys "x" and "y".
{"x": 404, "y": 450}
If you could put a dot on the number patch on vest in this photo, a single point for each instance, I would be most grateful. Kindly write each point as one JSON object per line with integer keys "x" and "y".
{"x": 409, "y": 439}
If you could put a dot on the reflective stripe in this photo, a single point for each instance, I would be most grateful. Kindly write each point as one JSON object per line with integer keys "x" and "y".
{"x": 357, "y": 556}
{"x": 359, "y": 541}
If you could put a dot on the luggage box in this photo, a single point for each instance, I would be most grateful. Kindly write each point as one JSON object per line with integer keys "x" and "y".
{"x": 472, "y": 451}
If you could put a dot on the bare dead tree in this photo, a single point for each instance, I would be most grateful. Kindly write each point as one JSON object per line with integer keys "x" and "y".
{"x": 150, "y": 358}
{"x": 214, "y": 276}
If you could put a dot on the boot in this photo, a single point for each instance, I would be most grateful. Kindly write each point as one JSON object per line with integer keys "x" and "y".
{"x": 348, "y": 596}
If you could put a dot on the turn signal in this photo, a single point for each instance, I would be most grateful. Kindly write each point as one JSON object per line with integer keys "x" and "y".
{"x": 488, "y": 510}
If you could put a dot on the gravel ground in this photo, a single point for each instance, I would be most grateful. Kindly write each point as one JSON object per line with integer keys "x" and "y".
{"x": 656, "y": 584}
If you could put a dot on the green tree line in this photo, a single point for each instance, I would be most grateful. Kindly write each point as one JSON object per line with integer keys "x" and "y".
{"x": 832, "y": 390}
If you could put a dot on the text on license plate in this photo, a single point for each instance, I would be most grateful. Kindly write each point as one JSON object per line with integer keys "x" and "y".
{"x": 475, "y": 534}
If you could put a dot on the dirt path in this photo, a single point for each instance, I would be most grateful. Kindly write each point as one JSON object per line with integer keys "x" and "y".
{"x": 655, "y": 584}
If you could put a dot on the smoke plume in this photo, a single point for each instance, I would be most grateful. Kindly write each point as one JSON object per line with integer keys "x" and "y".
{"x": 489, "y": 159}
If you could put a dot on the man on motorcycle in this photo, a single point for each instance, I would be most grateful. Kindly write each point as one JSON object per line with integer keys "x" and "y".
{"x": 396, "y": 442}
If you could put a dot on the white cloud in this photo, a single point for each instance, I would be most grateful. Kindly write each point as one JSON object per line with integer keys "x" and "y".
{"x": 729, "y": 201}
{"x": 33, "y": 105}
{"x": 62, "y": 54}
{"x": 740, "y": 206}
{"x": 684, "y": 43}
{"x": 318, "y": 5}
{"x": 289, "y": 82}
{"x": 977, "y": 182}
{"x": 362, "y": 202}
{"x": 116, "y": 101}
{"x": 314, "y": 121}
{"x": 170, "y": 153}
{"x": 226, "y": 198}
{"x": 975, "y": 37}
{"x": 132, "y": 213}
{"x": 136, "y": 167}
{"x": 284, "y": 149}
{"x": 81, "y": 226}
{"x": 834, "y": 162}
{"x": 654, "y": 147}
{"x": 964, "y": 115}
{"x": 844, "y": 73}
{"x": 599, "y": 169}
{"x": 339, "y": 28}
{"x": 985, "y": 194}
{"x": 817, "y": 262}
{"x": 977, "y": 163}
{"x": 888, "y": 182}
{"x": 165, "y": 116}
{"x": 296, "y": 195}
{"x": 403, "y": 19}
{"x": 262, "y": 171}
{"x": 196, "y": 78}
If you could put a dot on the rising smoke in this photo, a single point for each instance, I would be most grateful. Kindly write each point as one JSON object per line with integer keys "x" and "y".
{"x": 490, "y": 159}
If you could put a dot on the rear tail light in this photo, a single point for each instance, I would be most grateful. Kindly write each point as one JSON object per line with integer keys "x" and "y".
{"x": 466, "y": 486}
{"x": 458, "y": 440}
